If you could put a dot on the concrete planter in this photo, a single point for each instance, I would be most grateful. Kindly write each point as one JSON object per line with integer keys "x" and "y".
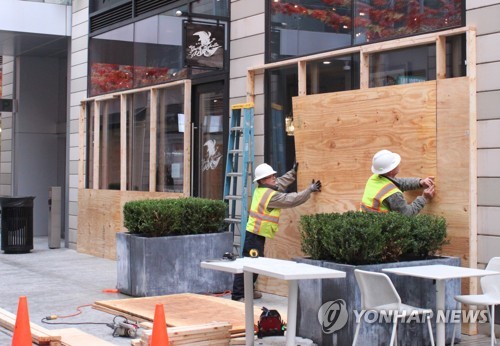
{"x": 413, "y": 291}
{"x": 168, "y": 265}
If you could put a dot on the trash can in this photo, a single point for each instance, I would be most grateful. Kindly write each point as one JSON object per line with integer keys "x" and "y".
{"x": 17, "y": 224}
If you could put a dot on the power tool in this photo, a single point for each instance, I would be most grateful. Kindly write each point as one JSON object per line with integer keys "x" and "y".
{"x": 124, "y": 328}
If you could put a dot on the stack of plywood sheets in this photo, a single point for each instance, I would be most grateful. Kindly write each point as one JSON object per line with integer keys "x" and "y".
{"x": 213, "y": 334}
{"x": 186, "y": 309}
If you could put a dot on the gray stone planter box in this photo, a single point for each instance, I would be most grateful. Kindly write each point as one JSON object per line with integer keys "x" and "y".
{"x": 168, "y": 265}
{"x": 413, "y": 291}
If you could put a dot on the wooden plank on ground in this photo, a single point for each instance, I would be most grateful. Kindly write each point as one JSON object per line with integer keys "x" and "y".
{"x": 39, "y": 335}
{"x": 185, "y": 309}
{"x": 77, "y": 337}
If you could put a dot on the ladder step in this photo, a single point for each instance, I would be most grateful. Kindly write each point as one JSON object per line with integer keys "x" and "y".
{"x": 232, "y": 220}
{"x": 235, "y": 151}
{"x": 233, "y": 197}
{"x": 237, "y": 128}
{"x": 234, "y": 174}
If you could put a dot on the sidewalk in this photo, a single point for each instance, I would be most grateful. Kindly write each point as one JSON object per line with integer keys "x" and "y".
{"x": 58, "y": 281}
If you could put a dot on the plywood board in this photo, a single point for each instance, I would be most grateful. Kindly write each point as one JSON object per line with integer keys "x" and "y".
{"x": 336, "y": 135}
{"x": 185, "y": 309}
{"x": 77, "y": 337}
{"x": 100, "y": 217}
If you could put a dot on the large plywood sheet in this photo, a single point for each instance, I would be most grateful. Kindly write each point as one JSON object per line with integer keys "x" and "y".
{"x": 185, "y": 309}
{"x": 337, "y": 134}
{"x": 100, "y": 217}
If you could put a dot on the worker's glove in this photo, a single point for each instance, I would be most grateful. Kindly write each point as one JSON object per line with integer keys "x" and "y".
{"x": 295, "y": 167}
{"x": 315, "y": 186}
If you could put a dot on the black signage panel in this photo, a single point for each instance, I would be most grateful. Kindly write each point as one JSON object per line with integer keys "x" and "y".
{"x": 203, "y": 45}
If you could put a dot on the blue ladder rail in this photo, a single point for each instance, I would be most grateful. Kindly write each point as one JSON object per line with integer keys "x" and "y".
{"x": 239, "y": 169}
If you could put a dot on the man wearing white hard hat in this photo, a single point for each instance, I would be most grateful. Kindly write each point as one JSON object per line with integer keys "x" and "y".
{"x": 269, "y": 197}
{"x": 384, "y": 192}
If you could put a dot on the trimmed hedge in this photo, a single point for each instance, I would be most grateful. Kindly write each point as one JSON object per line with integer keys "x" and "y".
{"x": 164, "y": 217}
{"x": 358, "y": 237}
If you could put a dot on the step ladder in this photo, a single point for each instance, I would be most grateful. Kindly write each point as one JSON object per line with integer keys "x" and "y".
{"x": 239, "y": 170}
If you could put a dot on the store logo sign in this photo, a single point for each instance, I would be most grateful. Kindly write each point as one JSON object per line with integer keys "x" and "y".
{"x": 204, "y": 45}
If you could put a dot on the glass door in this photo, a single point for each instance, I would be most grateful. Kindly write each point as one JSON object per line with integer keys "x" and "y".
{"x": 209, "y": 119}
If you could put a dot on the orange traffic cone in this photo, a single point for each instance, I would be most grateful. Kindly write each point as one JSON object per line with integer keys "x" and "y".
{"x": 22, "y": 329}
{"x": 160, "y": 335}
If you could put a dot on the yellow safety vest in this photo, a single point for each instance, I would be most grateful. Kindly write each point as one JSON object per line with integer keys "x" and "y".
{"x": 377, "y": 189}
{"x": 262, "y": 221}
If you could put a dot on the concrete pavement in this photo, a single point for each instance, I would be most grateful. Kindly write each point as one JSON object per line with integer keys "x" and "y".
{"x": 58, "y": 281}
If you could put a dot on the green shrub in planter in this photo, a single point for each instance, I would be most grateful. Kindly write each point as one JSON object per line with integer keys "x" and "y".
{"x": 365, "y": 238}
{"x": 164, "y": 217}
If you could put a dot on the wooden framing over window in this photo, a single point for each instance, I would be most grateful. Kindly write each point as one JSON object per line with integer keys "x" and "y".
{"x": 154, "y": 91}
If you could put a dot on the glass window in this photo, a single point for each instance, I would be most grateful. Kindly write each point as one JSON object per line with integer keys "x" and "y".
{"x": 111, "y": 61}
{"x": 280, "y": 145}
{"x": 333, "y": 74}
{"x": 89, "y": 181}
{"x": 138, "y": 126}
{"x": 456, "y": 56}
{"x": 402, "y": 66}
{"x": 377, "y": 20}
{"x": 109, "y": 154}
{"x": 170, "y": 141}
{"x": 299, "y": 27}
{"x": 145, "y": 53}
{"x": 211, "y": 7}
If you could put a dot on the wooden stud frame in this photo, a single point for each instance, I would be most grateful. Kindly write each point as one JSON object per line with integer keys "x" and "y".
{"x": 365, "y": 52}
{"x": 95, "y": 103}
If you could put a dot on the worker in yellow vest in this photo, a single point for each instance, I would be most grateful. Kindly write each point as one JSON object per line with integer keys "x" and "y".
{"x": 269, "y": 197}
{"x": 384, "y": 192}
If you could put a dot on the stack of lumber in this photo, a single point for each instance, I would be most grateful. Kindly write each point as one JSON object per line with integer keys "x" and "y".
{"x": 182, "y": 310}
{"x": 210, "y": 334}
{"x": 40, "y": 336}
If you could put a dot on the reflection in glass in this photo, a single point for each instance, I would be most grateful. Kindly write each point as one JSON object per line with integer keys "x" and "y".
{"x": 304, "y": 27}
{"x": 145, "y": 53}
{"x": 377, "y": 20}
{"x": 280, "y": 148}
{"x": 138, "y": 126}
{"x": 109, "y": 154}
{"x": 211, "y": 143}
{"x": 333, "y": 74}
{"x": 211, "y": 7}
{"x": 89, "y": 176}
{"x": 170, "y": 141}
{"x": 403, "y": 66}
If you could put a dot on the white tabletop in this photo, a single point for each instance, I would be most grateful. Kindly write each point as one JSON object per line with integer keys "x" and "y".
{"x": 440, "y": 272}
{"x": 287, "y": 270}
{"x": 277, "y": 268}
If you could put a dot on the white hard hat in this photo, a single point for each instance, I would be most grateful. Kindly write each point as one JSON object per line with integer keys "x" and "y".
{"x": 385, "y": 161}
{"x": 262, "y": 171}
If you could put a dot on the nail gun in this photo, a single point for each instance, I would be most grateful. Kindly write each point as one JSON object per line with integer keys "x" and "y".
{"x": 123, "y": 328}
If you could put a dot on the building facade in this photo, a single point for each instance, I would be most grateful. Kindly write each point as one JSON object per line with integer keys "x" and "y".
{"x": 126, "y": 75}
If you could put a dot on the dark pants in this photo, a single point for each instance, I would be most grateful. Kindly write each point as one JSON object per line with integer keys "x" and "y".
{"x": 252, "y": 241}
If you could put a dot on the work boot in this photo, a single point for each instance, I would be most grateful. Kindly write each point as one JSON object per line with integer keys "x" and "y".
{"x": 257, "y": 295}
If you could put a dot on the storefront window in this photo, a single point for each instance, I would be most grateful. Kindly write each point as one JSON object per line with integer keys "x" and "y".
{"x": 145, "y": 53}
{"x": 304, "y": 27}
{"x": 377, "y": 20}
{"x": 333, "y": 74}
{"x": 280, "y": 145}
{"x": 89, "y": 176}
{"x": 170, "y": 140}
{"x": 403, "y": 66}
{"x": 109, "y": 154}
{"x": 211, "y": 7}
{"x": 299, "y": 27}
{"x": 138, "y": 132}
